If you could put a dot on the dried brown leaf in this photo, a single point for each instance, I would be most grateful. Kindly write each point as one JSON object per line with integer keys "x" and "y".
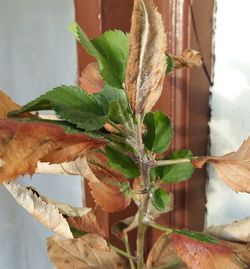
{"x": 7, "y": 105}
{"x": 88, "y": 223}
{"x": 188, "y": 58}
{"x": 22, "y": 145}
{"x": 45, "y": 213}
{"x": 238, "y": 231}
{"x": 91, "y": 79}
{"x": 103, "y": 182}
{"x": 233, "y": 168}
{"x": 240, "y": 250}
{"x": 147, "y": 60}
{"x": 78, "y": 253}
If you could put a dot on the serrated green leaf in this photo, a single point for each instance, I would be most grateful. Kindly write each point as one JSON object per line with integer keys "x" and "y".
{"x": 124, "y": 164}
{"x": 177, "y": 172}
{"x": 110, "y": 51}
{"x": 160, "y": 199}
{"x": 159, "y": 131}
{"x": 72, "y": 104}
{"x": 170, "y": 64}
{"x": 197, "y": 236}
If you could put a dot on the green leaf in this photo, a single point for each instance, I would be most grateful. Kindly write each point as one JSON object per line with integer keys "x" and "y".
{"x": 170, "y": 64}
{"x": 118, "y": 113}
{"x": 160, "y": 199}
{"x": 119, "y": 109}
{"x": 177, "y": 172}
{"x": 110, "y": 51}
{"x": 197, "y": 236}
{"x": 76, "y": 233}
{"x": 124, "y": 164}
{"x": 72, "y": 104}
{"x": 159, "y": 131}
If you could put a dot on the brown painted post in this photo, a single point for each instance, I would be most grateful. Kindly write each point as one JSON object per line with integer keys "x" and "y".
{"x": 185, "y": 94}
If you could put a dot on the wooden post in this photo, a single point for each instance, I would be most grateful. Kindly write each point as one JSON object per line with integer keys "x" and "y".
{"x": 185, "y": 95}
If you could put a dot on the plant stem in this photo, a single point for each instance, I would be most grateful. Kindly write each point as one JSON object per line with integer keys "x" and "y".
{"x": 123, "y": 253}
{"x": 126, "y": 242}
{"x": 170, "y": 162}
{"x": 161, "y": 228}
{"x": 145, "y": 184}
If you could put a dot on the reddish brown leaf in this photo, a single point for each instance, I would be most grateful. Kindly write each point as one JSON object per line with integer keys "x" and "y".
{"x": 233, "y": 168}
{"x": 163, "y": 255}
{"x": 22, "y": 145}
{"x": 91, "y": 79}
{"x": 103, "y": 182}
{"x": 200, "y": 255}
{"x": 147, "y": 60}
{"x": 88, "y": 223}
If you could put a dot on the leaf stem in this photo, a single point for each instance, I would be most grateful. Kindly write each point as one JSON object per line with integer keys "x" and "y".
{"x": 161, "y": 228}
{"x": 126, "y": 243}
{"x": 170, "y": 162}
{"x": 117, "y": 128}
{"x": 123, "y": 253}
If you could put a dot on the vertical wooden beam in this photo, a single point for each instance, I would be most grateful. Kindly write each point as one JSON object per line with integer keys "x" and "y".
{"x": 185, "y": 94}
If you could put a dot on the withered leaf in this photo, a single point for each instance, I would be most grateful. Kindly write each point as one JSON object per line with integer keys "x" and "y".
{"x": 233, "y": 168}
{"x": 188, "y": 58}
{"x": 240, "y": 250}
{"x": 147, "y": 60}
{"x": 200, "y": 255}
{"x": 104, "y": 184}
{"x": 88, "y": 223}
{"x": 163, "y": 255}
{"x": 7, "y": 104}
{"x": 238, "y": 231}
{"x": 22, "y": 145}
{"x": 91, "y": 79}
{"x": 45, "y": 213}
{"x": 78, "y": 253}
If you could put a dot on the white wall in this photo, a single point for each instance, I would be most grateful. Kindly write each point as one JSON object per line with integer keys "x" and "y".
{"x": 230, "y": 104}
{"x": 37, "y": 52}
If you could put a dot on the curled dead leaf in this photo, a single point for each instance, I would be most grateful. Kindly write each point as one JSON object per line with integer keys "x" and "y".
{"x": 233, "y": 168}
{"x": 147, "y": 61}
{"x": 22, "y": 145}
{"x": 91, "y": 79}
{"x": 188, "y": 58}
{"x": 238, "y": 231}
{"x": 45, "y": 213}
{"x": 81, "y": 253}
{"x": 7, "y": 105}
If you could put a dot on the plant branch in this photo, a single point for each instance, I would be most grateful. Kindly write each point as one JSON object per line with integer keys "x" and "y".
{"x": 126, "y": 243}
{"x": 118, "y": 251}
{"x": 170, "y": 162}
{"x": 145, "y": 183}
{"x": 161, "y": 228}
